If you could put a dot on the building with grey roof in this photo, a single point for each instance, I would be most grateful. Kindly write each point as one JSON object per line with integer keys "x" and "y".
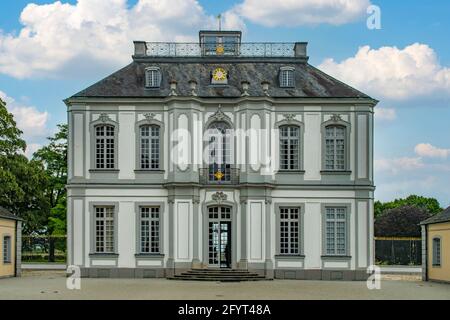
{"x": 217, "y": 158}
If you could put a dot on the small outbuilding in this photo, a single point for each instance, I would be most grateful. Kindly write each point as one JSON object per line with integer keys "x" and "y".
{"x": 436, "y": 247}
{"x": 10, "y": 244}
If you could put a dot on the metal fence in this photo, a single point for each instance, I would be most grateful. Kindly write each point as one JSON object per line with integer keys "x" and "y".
{"x": 398, "y": 251}
{"x": 44, "y": 248}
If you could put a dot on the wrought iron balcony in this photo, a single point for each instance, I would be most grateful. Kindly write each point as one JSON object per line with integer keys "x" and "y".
{"x": 224, "y": 174}
{"x": 249, "y": 49}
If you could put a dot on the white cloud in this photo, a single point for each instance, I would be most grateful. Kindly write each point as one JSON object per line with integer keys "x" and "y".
{"x": 32, "y": 148}
{"x": 397, "y": 165}
{"x": 294, "y": 13}
{"x": 428, "y": 150}
{"x": 393, "y": 73}
{"x": 31, "y": 121}
{"x": 64, "y": 39}
{"x": 385, "y": 114}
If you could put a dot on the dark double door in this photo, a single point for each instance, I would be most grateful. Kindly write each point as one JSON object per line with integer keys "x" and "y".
{"x": 219, "y": 237}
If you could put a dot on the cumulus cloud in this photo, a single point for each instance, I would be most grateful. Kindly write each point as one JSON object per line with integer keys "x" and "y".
{"x": 292, "y": 13}
{"x": 385, "y": 114}
{"x": 30, "y": 120}
{"x": 392, "y": 72}
{"x": 397, "y": 165}
{"x": 63, "y": 39}
{"x": 428, "y": 150}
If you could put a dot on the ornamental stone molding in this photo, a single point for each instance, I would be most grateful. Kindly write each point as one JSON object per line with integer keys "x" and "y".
{"x": 219, "y": 197}
{"x": 336, "y": 118}
{"x": 104, "y": 117}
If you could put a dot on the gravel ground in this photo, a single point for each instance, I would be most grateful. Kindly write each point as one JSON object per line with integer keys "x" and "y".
{"x": 52, "y": 285}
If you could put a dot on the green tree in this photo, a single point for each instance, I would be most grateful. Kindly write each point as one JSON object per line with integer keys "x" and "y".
{"x": 401, "y": 222}
{"x": 10, "y": 136}
{"x": 54, "y": 159}
{"x": 21, "y": 181}
{"x": 430, "y": 205}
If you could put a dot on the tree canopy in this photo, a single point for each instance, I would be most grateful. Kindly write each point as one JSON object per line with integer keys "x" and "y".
{"x": 430, "y": 205}
{"x": 401, "y": 222}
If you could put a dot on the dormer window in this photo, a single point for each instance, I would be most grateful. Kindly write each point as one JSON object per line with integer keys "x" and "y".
{"x": 152, "y": 77}
{"x": 287, "y": 77}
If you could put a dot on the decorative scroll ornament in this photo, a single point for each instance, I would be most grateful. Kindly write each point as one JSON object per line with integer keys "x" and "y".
{"x": 219, "y": 197}
{"x": 289, "y": 116}
{"x": 104, "y": 117}
{"x": 220, "y": 115}
{"x": 149, "y": 116}
{"x": 336, "y": 118}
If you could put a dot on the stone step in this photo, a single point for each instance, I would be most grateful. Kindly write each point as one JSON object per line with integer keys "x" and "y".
{"x": 220, "y": 273}
{"x": 217, "y": 279}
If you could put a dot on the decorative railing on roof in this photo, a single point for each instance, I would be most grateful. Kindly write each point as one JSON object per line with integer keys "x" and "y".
{"x": 249, "y": 49}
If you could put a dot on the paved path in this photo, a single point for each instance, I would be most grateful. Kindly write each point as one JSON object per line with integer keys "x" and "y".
{"x": 52, "y": 285}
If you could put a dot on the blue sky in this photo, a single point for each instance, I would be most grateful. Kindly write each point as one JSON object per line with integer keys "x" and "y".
{"x": 49, "y": 51}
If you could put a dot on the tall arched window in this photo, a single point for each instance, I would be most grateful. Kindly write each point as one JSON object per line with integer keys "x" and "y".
{"x": 289, "y": 147}
{"x": 219, "y": 159}
{"x": 105, "y": 147}
{"x": 335, "y": 148}
{"x": 150, "y": 147}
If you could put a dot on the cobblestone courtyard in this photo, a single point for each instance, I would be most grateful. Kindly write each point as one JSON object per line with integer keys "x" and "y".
{"x": 52, "y": 285}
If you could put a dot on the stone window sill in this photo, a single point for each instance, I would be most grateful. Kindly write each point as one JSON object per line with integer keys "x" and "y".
{"x": 104, "y": 255}
{"x": 289, "y": 256}
{"x": 150, "y": 171}
{"x": 104, "y": 170}
{"x": 336, "y": 257}
{"x": 149, "y": 256}
{"x": 331, "y": 172}
{"x": 291, "y": 171}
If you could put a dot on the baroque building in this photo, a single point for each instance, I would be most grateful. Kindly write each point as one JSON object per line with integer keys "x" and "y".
{"x": 221, "y": 155}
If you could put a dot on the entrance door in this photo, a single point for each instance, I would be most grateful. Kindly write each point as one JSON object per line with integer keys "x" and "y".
{"x": 219, "y": 237}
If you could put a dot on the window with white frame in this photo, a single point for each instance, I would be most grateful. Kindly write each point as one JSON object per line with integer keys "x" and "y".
{"x": 150, "y": 147}
{"x": 336, "y": 231}
{"x": 104, "y": 147}
{"x": 153, "y": 77}
{"x": 6, "y": 249}
{"x": 287, "y": 77}
{"x": 289, "y": 231}
{"x": 437, "y": 252}
{"x": 289, "y": 147}
{"x": 335, "y": 148}
{"x": 104, "y": 229}
{"x": 149, "y": 229}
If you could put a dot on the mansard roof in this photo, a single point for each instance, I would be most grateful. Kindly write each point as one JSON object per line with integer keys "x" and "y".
{"x": 310, "y": 82}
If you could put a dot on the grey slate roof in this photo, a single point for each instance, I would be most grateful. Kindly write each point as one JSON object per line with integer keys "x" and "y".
{"x": 8, "y": 215}
{"x": 310, "y": 82}
{"x": 444, "y": 216}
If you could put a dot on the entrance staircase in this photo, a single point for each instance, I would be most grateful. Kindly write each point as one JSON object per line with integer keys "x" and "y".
{"x": 222, "y": 275}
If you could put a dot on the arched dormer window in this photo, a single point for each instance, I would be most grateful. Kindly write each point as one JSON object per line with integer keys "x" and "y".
{"x": 152, "y": 77}
{"x": 287, "y": 77}
{"x": 149, "y": 141}
{"x": 105, "y": 146}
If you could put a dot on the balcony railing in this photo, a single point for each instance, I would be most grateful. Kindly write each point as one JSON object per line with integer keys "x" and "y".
{"x": 223, "y": 175}
{"x": 249, "y": 49}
